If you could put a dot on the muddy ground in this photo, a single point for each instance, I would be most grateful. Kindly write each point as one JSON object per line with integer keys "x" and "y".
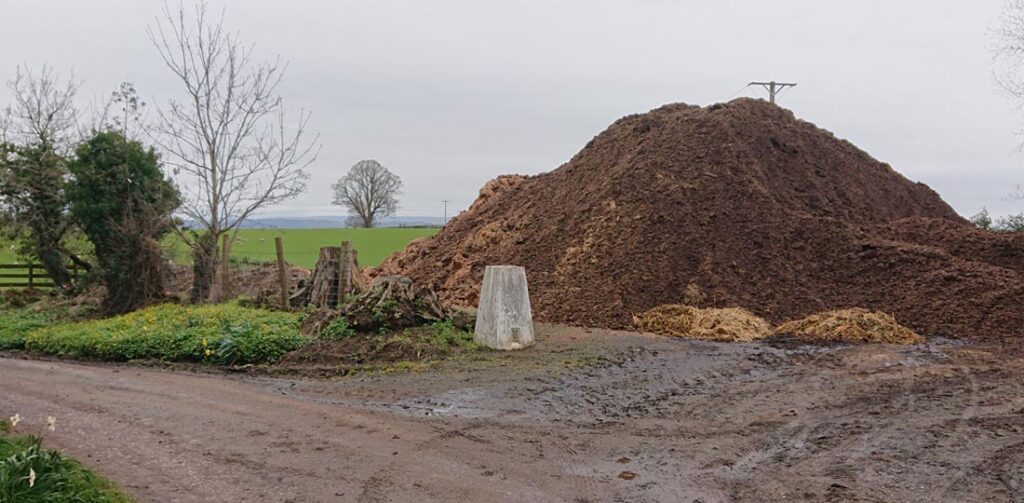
{"x": 584, "y": 416}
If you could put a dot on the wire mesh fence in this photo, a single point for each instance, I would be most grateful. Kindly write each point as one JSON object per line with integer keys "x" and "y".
{"x": 275, "y": 282}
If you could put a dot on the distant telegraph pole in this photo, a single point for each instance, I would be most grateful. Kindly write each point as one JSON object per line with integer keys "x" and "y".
{"x": 773, "y": 88}
{"x": 445, "y": 201}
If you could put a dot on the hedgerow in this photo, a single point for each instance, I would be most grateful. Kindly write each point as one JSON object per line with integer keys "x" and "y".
{"x": 221, "y": 334}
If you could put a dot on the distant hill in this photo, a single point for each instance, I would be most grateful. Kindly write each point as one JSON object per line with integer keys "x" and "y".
{"x": 329, "y": 222}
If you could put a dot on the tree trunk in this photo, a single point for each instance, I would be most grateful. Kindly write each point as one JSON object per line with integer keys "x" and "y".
{"x": 323, "y": 285}
{"x": 204, "y": 267}
{"x": 136, "y": 280}
{"x": 53, "y": 261}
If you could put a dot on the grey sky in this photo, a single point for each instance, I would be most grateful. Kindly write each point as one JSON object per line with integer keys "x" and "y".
{"x": 449, "y": 94}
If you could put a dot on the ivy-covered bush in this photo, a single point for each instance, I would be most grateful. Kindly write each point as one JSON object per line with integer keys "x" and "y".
{"x": 121, "y": 199}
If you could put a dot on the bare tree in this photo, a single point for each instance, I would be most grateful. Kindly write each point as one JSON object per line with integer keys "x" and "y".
{"x": 38, "y": 132}
{"x": 1008, "y": 52}
{"x": 369, "y": 191}
{"x": 227, "y": 140}
{"x": 5, "y": 124}
{"x": 44, "y": 111}
{"x": 1008, "y": 49}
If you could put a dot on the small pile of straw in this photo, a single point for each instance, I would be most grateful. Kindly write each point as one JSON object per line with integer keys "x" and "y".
{"x": 851, "y": 326}
{"x": 720, "y": 325}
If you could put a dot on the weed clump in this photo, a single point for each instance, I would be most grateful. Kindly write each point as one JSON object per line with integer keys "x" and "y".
{"x": 337, "y": 330}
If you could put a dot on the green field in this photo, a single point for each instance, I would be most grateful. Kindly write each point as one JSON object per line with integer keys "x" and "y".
{"x": 6, "y": 255}
{"x": 301, "y": 246}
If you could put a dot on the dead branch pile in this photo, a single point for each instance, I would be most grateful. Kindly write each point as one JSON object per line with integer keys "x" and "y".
{"x": 392, "y": 302}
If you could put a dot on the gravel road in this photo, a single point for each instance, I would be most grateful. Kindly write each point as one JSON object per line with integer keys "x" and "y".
{"x": 586, "y": 415}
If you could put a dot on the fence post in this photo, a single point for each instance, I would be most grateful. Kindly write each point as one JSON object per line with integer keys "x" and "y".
{"x": 282, "y": 277}
{"x": 225, "y": 270}
{"x": 345, "y": 271}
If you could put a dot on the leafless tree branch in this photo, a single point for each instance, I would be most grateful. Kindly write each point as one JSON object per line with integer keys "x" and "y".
{"x": 44, "y": 109}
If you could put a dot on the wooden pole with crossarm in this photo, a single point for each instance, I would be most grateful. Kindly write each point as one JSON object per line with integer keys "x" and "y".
{"x": 773, "y": 88}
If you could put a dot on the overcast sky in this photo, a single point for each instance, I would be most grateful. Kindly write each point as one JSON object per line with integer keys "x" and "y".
{"x": 449, "y": 94}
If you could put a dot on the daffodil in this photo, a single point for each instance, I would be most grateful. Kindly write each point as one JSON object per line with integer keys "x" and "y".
{"x": 31, "y": 477}
{"x": 51, "y": 423}
{"x": 15, "y": 419}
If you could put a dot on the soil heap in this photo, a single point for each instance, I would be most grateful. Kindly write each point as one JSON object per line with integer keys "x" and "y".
{"x": 740, "y": 202}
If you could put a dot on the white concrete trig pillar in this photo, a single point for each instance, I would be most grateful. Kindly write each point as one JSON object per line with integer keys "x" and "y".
{"x": 504, "y": 319}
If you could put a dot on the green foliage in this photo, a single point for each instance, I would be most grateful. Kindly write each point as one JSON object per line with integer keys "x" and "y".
{"x": 385, "y": 311}
{"x": 15, "y": 323}
{"x": 120, "y": 198}
{"x": 31, "y": 474}
{"x": 982, "y": 220}
{"x": 33, "y": 204}
{"x": 221, "y": 334}
{"x": 114, "y": 179}
{"x": 337, "y": 329}
{"x": 1010, "y": 223}
{"x": 446, "y": 335}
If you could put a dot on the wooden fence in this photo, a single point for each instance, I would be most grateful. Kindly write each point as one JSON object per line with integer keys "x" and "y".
{"x": 28, "y": 276}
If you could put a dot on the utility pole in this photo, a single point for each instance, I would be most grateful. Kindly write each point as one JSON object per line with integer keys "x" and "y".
{"x": 445, "y": 201}
{"x": 773, "y": 88}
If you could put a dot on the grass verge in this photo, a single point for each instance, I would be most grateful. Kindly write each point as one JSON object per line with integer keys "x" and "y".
{"x": 220, "y": 334}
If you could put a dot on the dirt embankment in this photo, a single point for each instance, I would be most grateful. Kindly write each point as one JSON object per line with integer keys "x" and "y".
{"x": 743, "y": 202}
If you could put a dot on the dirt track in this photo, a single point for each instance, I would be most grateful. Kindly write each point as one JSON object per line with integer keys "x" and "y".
{"x": 595, "y": 416}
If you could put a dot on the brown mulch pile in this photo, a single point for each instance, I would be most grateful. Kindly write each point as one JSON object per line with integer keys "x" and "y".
{"x": 850, "y": 326}
{"x": 719, "y": 325}
{"x": 747, "y": 203}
